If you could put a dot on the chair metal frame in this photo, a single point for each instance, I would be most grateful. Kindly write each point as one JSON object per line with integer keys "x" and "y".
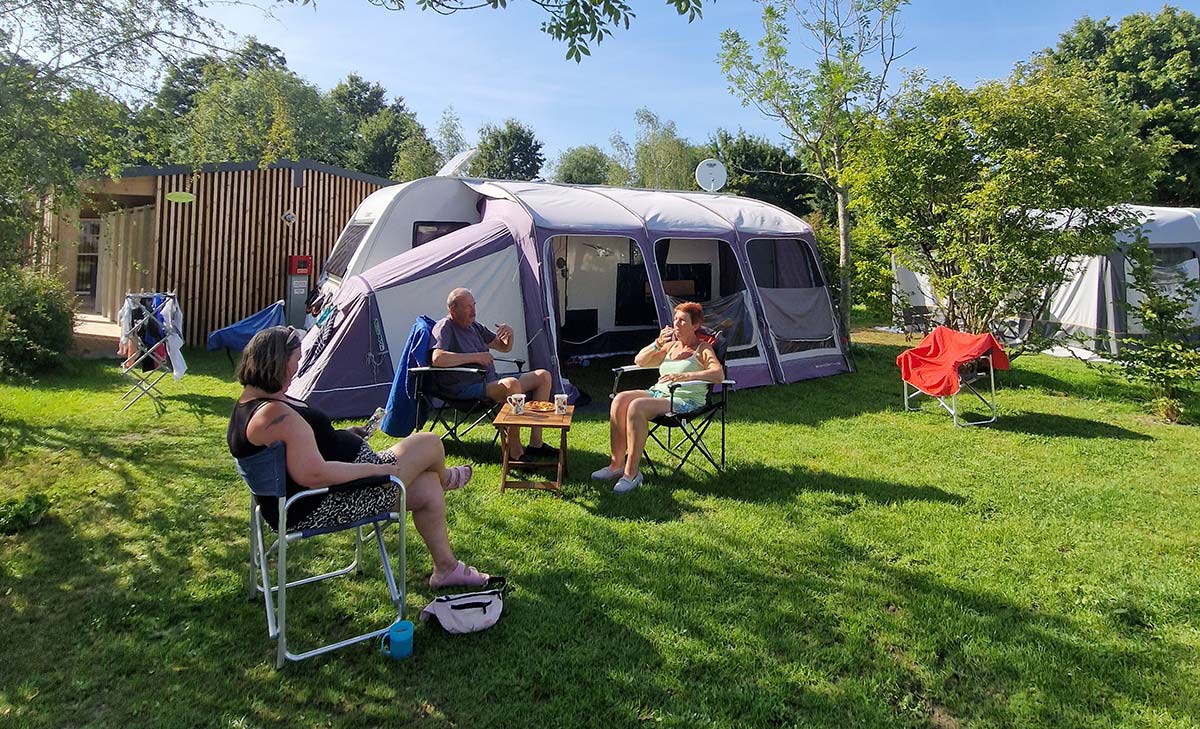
{"x": 968, "y": 374}
{"x": 452, "y": 413}
{"x": 265, "y": 475}
{"x": 693, "y": 425}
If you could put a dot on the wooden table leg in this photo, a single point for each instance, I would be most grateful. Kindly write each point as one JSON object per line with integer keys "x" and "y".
{"x": 562, "y": 459}
{"x": 504, "y": 459}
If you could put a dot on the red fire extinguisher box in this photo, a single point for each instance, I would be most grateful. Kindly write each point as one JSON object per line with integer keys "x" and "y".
{"x": 299, "y": 265}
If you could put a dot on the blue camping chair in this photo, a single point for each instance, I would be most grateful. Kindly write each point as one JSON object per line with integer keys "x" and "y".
{"x": 265, "y": 475}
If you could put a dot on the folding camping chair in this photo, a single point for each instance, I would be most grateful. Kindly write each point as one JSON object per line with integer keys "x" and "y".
{"x": 692, "y": 426}
{"x": 945, "y": 363}
{"x": 457, "y": 415}
{"x": 265, "y": 475}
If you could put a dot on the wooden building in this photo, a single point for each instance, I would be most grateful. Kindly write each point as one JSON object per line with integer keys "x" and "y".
{"x": 223, "y": 253}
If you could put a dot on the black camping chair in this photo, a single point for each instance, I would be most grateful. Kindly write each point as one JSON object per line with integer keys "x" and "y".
{"x": 458, "y": 416}
{"x": 692, "y": 426}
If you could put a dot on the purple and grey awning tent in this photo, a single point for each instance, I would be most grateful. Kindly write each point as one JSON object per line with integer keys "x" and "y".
{"x": 579, "y": 272}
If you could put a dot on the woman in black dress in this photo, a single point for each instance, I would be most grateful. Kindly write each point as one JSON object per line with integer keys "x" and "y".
{"x": 319, "y": 455}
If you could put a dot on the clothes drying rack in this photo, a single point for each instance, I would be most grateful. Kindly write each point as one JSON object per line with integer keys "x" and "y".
{"x": 150, "y": 363}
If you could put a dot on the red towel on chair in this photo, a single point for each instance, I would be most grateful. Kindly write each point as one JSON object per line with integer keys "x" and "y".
{"x": 932, "y": 366}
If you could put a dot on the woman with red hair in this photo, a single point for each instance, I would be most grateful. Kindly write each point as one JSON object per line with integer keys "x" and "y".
{"x": 681, "y": 356}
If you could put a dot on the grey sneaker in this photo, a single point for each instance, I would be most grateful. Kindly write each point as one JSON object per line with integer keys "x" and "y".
{"x": 627, "y": 484}
{"x": 607, "y": 474}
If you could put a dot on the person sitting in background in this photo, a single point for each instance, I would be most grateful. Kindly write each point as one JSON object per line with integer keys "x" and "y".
{"x": 681, "y": 356}
{"x": 460, "y": 341}
{"x": 319, "y": 456}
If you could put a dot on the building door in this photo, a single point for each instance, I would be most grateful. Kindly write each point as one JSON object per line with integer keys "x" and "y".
{"x": 87, "y": 263}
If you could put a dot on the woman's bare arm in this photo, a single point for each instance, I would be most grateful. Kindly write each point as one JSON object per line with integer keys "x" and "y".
{"x": 278, "y": 422}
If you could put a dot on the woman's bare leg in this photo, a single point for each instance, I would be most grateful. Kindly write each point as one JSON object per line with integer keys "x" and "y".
{"x": 640, "y": 413}
{"x": 427, "y": 502}
{"x": 617, "y": 414}
{"x": 418, "y": 453}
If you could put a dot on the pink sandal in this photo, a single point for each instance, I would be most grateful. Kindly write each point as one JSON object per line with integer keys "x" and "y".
{"x": 457, "y": 477}
{"x": 461, "y": 576}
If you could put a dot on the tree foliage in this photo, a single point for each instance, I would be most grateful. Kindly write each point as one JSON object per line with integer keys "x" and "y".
{"x": 1151, "y": 63}
{"x": 1166, "y": 355}
{"x": 586, "y": 165}
{"x": 825, "y": 108}
{"x": 662, "y": 159}
{"x": 449, "y": 139}
{"x": 578, "y": 23}
{"x": 991, "y": 191}
{"x": 508, "y": 152}
{"x": 764, "y": 171}
{"x": 416, "y": 158}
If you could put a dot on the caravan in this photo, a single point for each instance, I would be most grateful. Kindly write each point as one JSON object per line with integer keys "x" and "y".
{"x": 578, "y": 271}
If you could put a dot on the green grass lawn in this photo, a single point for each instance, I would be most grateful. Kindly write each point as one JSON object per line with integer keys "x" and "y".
{"x": 856, "y": 566}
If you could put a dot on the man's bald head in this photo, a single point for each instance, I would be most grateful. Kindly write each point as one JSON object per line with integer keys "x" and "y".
{"x": 461, "y": 306}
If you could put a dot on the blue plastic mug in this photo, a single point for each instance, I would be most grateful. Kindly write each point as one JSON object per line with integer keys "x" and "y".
{"x": 398, "y": 641}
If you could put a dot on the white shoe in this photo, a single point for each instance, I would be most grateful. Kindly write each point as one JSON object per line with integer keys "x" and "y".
{"x": 628, "y": 484}
{"x": 607, "y": 474}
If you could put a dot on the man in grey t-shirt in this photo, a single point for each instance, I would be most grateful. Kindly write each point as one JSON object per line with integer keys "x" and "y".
{"x": 460, "y": 341}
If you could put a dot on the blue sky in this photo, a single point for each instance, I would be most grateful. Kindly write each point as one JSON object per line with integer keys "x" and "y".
{"x": 492, "y": 65}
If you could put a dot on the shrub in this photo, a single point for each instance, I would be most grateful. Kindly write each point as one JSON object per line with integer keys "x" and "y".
{"x": 16, "y": 514}
{"x": 36, "y": 317}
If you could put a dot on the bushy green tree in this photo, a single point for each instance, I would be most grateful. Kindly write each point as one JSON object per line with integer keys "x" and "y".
{"x": 585, "y": 165}
{"x": 416, "y": 158}
{"x": 662, "y": 159}
{"x": 826, "y": 106}
{"x": 508, "y": 152}
{"x": 764, "y": 171}
{"x": 36, "y": 317}
{"x": 449, "y": 139}
{"x": 1152, "y": 63}
{"x": 266, "y": 115}
{"x": 1166, "y": 355}
{"x": 990, "y": 192}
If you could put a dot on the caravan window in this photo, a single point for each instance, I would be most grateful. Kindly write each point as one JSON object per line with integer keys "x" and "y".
{"x": 345, "y": 249}
{"x": 424, "y": 232}
{"x": 795, "y": 300}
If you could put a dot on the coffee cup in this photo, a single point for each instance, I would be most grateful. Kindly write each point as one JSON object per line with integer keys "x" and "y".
{"x": 518, "y": 404}
{"x": 560, "y": 404}
{"x": 398, "y": 641}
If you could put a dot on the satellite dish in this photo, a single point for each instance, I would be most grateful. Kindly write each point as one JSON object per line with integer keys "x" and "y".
{"x": 711, "y": 175}
{"x": 179, "y": 196}
{"x": 458, "y": 164}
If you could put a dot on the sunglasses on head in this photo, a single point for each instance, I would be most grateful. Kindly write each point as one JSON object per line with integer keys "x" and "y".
{"x": 293, "y": 339}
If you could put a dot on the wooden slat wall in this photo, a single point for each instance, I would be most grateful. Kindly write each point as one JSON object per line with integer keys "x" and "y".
{"x": 127, "y": 261}
{"x": 226, "y": 253}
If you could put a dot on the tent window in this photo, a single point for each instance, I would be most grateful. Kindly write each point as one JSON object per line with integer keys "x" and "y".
{"x": 783, "y": 264}
{"x": 795, "y": 300}
{"x": 707, "y": 272}
{"x": 344, "y": 250}
{"x": 1172, "y": 256}
{"x": 426, "y": 231}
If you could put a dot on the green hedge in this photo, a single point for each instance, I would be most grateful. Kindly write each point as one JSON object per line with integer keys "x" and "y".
{"x": 36, "y": 317}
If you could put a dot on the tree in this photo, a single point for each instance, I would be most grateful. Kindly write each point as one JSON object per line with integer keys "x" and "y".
{"x": 450, "y": 139}
{"x": 1166, "y": 356}
{"x": 510, "y": 152}
{"x": 267, "y": 115}
{"x": 1152, "y": 63}
{"x": 763, "y": 171}
{"x": 359, "y": 100}
{"x": 661, "y": 158}
{"x": 824, "y": 110}
{"x": 991, "y": 192}
{"x": 586, "y": 165}
{"x": 577, "y": 23}
{"x": 416, "y": 158}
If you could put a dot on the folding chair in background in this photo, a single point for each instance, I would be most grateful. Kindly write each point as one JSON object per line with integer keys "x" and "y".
{"x": 457, "y": 415}
{"x": 691, "y": 426}
{"x": 945, "y": 363}
{"x": 265, "y": 475}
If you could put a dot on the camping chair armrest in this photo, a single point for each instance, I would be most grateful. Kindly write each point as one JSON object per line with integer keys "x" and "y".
{"x": 423, "y": 370}
{"x": 618, "y": 371}
{"x": 520, "y": 363}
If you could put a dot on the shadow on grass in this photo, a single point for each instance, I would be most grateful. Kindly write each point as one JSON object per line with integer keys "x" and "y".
{"x": 202, "y": 406}
{"x": 710, "y": 624}
{"x": 1051, "y": 424}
